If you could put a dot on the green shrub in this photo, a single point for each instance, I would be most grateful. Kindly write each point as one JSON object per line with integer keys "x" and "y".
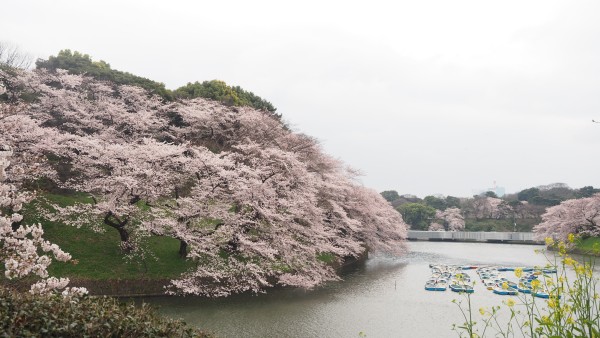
{"x": 26, "y": 315}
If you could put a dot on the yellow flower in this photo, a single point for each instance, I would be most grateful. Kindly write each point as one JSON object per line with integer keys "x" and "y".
{"x": 571, "y": 238}
{"x": 569, "y": 261}
{"x": 562, "y": 249}
{"x": 552, "y": 303}
{"x": 545, "y": 319}
{"x": 580, "y": 269}
{"x": 510, "y": 302}
{"x": 518, "y": 272}
{"x": 535, "y": 284}
{"x": 549, "y": 241}
{"x": 505, "y": 285}
{"x": 570, "y": 321}
{"x": 482, "y": 311}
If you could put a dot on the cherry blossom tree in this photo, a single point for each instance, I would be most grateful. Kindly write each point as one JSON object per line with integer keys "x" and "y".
{"x": 452, "y": 220}
{"x": 20, "y": 244}
{"x": 253, "y": 203}
{"x": 482, "y": 207}
{"x": 574, "y": 216}
{"x": 436, "y": 227}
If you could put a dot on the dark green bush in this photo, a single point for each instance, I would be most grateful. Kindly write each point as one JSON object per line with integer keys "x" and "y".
{"x": 26, "y": 315}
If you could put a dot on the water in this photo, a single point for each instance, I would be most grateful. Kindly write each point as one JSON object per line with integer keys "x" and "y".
{"x": 383, "y": 298}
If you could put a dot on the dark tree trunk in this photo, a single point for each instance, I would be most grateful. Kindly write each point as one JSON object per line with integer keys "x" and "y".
{"x": 115, "y": 222}
{"x": 16, "y": 225}
{"x": 124, "y": 234}
{"x": 183, "y": 248}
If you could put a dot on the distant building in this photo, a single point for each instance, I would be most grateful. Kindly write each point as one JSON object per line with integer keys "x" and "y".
{"x": 499, "y": 191}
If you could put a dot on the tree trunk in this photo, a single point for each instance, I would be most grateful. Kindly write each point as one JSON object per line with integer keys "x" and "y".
{"x": 183, "y": 248}
{"x": 115, "y": 222}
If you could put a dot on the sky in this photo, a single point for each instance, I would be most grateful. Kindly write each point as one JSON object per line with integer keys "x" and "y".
{"x": 424, "y": 97}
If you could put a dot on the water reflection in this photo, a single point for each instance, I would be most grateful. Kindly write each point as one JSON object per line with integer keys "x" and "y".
{"x": 382, "y": 298}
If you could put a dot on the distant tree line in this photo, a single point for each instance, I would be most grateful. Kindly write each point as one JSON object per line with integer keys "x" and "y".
{"x": 519, "y": 211}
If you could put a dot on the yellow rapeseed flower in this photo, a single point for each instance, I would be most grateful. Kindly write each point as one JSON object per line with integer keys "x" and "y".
{"x": 549, "y": 241}
{"x": 570, "y": 320}
{"x": 535, "y": 284}
{"x": 518, "y": 272}
{"x": 580, "y": 269}
{"x": 569, "y": 261}
{"x": 505, "y": 285}
{"x": 571, "y": 238}
{"x": 552, "y": 303}
{"x": 510, "y": 302}
{"x": 562, "y": 249}
{"x": 545, "y": 319}
{"x": 482, "y": 311}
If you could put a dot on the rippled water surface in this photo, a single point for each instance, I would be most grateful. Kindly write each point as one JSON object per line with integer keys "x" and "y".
{"x": 383, "y": 298}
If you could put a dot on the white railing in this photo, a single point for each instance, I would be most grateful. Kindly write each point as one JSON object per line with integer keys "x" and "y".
{"x": 526, "y": 237}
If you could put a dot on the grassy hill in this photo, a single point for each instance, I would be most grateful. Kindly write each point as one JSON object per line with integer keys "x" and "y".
{"x": 99, "y": 263}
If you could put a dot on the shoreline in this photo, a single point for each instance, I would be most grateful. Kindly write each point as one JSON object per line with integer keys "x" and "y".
{"x": 148, "y": 287}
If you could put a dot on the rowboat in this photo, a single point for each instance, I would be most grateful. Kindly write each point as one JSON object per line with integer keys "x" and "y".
{"x": 501, "y": 291}
{"x": 461, "y": 288}
{"x": 524, "y": 288}
{"x": 436, "y": 285}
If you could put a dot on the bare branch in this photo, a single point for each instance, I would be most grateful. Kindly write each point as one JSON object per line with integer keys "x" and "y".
{"x": 12, "y": 57}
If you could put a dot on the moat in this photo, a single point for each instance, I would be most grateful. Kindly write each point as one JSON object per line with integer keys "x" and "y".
{"x": 382, "y": 298}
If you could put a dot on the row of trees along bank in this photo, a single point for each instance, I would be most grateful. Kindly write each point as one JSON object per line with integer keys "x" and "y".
{"x": 520, "y": 211}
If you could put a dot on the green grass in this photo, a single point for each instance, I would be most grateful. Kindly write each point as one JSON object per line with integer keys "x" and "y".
{"x": 97, "y": 256}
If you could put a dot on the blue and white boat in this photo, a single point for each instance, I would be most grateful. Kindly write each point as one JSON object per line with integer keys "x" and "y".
{"x": 542, "y": 294}
{"x": 499, "y": 290}
{"x": 436, "y": 285}
{"x": 524, "y": 288}
{"x": 461, "y": 288}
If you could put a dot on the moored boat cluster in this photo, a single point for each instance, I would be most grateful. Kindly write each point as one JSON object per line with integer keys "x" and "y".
{"x": 492, "y": 278}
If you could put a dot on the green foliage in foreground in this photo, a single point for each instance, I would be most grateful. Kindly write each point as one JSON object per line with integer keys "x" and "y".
{"x": 26, "y": 315}
{"x": 572, "y": 309}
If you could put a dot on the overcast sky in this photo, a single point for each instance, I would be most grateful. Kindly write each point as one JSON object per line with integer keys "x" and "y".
{"x": 425, "y": 97}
